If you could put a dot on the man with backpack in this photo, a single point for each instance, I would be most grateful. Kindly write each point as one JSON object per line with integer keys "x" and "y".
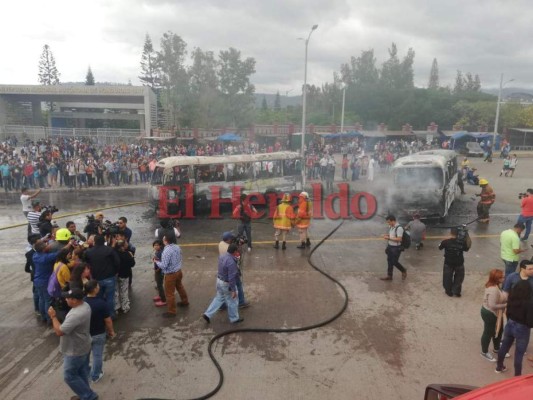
{"x": 397, "y": 241}
{"x": 453, "y": 272}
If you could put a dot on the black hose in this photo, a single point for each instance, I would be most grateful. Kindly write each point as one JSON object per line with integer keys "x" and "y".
{"x": 271, "y": 330}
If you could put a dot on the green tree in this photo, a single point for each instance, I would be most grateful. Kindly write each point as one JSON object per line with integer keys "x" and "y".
{"x": 204, "y": 99}
{"x": 264, "y": 104}
{"x": 390, "y": 71}
{"x": 361, "y": 70}
{"x": 235, "y": 86}
{"x": 149, "y": 64}
{"x": 434, "y": 75}
{"x": 89, "y": 78}
{"x": 277, "y": 102}
{"x": 459, "y": 83}
{"x": 174, "y": 77}
{"x": 48, "y": 73}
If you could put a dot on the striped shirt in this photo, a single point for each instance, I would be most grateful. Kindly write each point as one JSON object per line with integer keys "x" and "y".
{"x": 33, "y": 219}
{"x": 170, "y": 259}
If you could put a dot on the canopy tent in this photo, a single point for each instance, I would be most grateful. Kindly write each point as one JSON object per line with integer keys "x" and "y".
{"x": 337, "y": 135}
{"x": 229, "y": 137}
{"x": 464, "y": 136}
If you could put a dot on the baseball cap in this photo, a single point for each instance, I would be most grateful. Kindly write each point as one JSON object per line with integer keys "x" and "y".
{"x": 228, "y": 236}
{"x": 74, "y": 293}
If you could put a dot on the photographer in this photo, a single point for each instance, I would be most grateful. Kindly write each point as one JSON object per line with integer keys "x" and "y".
{"x": 123, "y": 228}
{"x": 45, "y": 223}
{"x": 94, "y": 224}
{"x": 526, "y": 214}
{"x": 453, "y": 272}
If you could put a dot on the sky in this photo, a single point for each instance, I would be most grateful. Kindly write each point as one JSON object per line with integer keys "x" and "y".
{"x": 484, "y": 37}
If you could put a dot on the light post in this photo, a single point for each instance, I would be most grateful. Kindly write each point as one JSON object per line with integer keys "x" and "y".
{"x": 343, "y": 101}
{"x": 497, "y": 120}
{"x": 303, "y": 107}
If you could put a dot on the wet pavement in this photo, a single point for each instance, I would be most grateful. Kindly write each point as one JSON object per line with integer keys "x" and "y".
{"x": 393, "y": 340}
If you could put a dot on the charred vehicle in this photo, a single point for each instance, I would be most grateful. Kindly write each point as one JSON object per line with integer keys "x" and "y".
{"x": 424, "y": 183}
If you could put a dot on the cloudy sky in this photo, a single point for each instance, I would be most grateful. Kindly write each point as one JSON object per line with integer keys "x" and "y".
{"x": 486, "y": 37}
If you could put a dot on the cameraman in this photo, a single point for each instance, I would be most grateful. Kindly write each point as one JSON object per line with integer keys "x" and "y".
{"x": 45, "y": 223}
{"x": 123, "y": 228}
{"x": 453, "y": 272}
{"x": 94, "y": 224}
{"x": 526, "y": 215}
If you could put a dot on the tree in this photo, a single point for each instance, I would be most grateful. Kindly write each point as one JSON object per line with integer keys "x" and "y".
{"x": 361, "y": 70}
{"x": 264, "y": 104}
{"x": 390, "y": 71}
{"x": 277, "y": 102}
{"x": 149, "y": 65}
{"x": 459, "y": 83}
{"x": 235, "y": 86}
{"x": 89, "y": 78}
{"x": 204, "y": 101}
{"x": 434, "y": 75}
{"x": 174, "y": 77}
{"x": 48, "y": 73}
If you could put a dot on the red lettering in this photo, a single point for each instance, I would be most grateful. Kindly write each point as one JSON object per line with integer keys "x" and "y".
{"x": 371, "y": 205}
{"x": 272, "y": 199}
{"x": 256, "y": 199}
{"x": 317, "y": 201}
{"x": 342, "y": 197}
{"x": 170, "y": 208}
{"x": 216, "y": 200}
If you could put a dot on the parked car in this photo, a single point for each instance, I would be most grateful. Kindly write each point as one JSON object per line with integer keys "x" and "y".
{"x": 473, "y": 149}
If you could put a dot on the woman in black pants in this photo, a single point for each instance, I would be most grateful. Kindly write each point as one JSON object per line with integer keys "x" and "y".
{"x": 494, "y": 302}
{"x": 519, "y": 323}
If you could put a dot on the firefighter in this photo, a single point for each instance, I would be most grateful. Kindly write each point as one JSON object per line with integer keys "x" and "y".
{"x": 303, "y": 219}
{"x": 283, "y": 219}
{"x": 487, "y": 198}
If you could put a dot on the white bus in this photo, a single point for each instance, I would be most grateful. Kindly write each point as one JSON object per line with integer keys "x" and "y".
{"x": 424, "y": 183}
{"x": 256, "y": 173}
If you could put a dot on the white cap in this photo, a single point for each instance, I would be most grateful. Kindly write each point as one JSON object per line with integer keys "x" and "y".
{"x": 305, "y": 194}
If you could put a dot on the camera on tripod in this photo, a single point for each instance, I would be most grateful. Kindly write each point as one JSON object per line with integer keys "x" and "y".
{"x": 51, "y": 209}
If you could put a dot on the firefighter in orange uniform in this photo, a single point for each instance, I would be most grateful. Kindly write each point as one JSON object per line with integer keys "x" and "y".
{"x": 283, "y": 220}
{"x": 487, "y": 198}
{"x": 303, "y": 219}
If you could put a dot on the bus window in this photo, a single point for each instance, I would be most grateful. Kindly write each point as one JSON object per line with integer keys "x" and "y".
{"x": 210, "y": 173}
{"x": 291, "y": 168}
{"x": 419, "y": 177}
{"x": 157, "y": 176}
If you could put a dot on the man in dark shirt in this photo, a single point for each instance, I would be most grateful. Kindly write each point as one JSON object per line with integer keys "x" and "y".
{"x": 453, "y": 272}
{"x": 123, "y": 228}
{"x": 524, "y": 274}
{"x": 226, "y": 287}
{"x": 104, "y": 263}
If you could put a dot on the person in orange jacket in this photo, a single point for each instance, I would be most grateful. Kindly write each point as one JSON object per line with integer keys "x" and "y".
{"x": 283, "y": 220}
{"x": 303, "y": 219}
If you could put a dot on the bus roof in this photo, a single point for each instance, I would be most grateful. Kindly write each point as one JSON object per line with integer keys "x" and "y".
{"x": 171, "y": 162}
{"x": 429, "y": 158}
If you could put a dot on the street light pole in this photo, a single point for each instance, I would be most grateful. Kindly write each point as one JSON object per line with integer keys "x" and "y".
{"x": 497, "y": 120}
{"x": 304, "y": 107}
{"x": 342, "y": 113}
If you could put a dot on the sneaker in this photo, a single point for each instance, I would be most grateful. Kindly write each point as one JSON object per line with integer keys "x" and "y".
{"x": 157, "y": 298}
{"x": 500, "y": 370}
{"x": 207, "y": 319}
{"x": 489, "y": 357}
{"x": 160, "y": 303}
{"x": 99, "y": 377}
{"x": 238, "y": 321}
{"x": 404, "y": 275}
{"x": 249, "y": 249}
{"x": 244, "y": 305}
{"x": 507, "y": 355}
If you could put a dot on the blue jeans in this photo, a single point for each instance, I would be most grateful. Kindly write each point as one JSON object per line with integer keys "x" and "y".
{"x": 527, "y": 221}
{"x": 520, "y": 333}
{"x": 223, "y": 296}
{"x": 107, "y": 292}
{"x": 510, "y": 267}
{"x": 44, "y": 301}
{"x": 240, "y": 290}
{"x": 247, "y": 228}
{"x": 76, "y": 376}
{"x": 97, "y": 349}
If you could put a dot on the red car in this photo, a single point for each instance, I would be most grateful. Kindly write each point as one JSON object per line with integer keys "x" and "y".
{"x": 518, "y": 388}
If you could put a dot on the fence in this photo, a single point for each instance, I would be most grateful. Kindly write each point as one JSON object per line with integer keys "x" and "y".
{"x": 100, "y": 135}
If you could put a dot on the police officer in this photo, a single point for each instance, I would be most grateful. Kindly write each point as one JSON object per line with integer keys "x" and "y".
{"x": 453, "y": 272}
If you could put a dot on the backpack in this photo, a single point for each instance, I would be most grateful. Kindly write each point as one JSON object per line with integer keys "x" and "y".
{"x": 54, "y": 288}
{"x": 406, "y": 238}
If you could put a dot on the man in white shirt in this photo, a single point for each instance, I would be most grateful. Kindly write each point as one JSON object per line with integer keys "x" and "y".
{"x": 25, "y": 199}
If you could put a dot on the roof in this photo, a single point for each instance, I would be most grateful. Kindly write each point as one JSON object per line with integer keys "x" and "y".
{"x": 523, "y": 130}
{"x": 430, "y": 158}
{"x": 171, "y": 162}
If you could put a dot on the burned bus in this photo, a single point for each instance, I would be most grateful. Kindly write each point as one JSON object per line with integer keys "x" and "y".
{"x": 424, "y": 183}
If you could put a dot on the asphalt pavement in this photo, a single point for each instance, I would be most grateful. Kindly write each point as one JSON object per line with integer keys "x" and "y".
{"x": 393, "y": 340}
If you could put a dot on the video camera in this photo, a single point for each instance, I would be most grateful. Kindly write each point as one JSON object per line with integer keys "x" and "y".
{"x": 51, "y": 209}
{"x": 462, "y": 233}
{"x": 110, "y": 228}
{"x": 239, "y": 240}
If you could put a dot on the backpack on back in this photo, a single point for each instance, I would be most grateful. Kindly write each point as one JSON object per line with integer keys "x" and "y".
{"x": 54, "y": 288}
{"x": 406, "y": 238}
